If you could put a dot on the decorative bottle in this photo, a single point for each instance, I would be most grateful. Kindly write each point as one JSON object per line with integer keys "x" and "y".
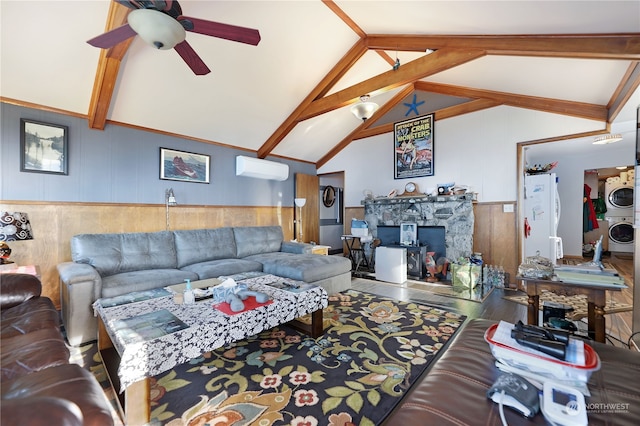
{"x": 189, "y": 297}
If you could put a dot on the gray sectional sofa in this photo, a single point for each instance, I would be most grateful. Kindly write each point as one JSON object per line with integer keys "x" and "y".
{"x": 108, "y": 265}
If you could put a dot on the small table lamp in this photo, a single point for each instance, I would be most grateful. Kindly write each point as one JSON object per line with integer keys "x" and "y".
{"x": 14, "y": 226}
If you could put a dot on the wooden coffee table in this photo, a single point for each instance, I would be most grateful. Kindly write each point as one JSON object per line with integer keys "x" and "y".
{"x": 144, "y": 338}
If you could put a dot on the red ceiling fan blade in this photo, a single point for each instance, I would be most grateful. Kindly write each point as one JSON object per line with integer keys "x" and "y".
{"x": 225, "y": 31}
{"x": 113, "y": 37}
{"x": 192, "y": 59}
{"x": 131, "y": 4}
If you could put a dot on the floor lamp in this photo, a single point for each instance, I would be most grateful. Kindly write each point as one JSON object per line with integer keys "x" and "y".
{"x": 300, "y": 202}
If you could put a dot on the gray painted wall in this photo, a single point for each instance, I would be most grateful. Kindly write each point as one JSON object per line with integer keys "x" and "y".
{"x": 122, "y": 165}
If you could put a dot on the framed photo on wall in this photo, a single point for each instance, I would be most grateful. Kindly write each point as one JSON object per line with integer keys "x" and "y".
{"x": 43, "y": 147}
{"x": 184, "y": 166}
{"x": 413, "y": 147}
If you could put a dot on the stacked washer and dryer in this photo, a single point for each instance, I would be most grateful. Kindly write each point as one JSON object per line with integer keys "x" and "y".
{"x": 619, "y": 201}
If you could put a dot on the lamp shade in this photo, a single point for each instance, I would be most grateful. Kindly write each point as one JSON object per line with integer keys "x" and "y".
{"x": 156, "y": 28}
{"x": 169, "y": 197}
{"x": 15, "y": 226}
{"x": 300, "y": 202}
{"x": 365, "y": 109}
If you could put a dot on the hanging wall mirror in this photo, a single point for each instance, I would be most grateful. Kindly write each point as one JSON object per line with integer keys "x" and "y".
{"x": 328, "y": 196}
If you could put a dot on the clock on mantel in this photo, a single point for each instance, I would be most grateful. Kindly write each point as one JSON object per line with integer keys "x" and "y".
{"x": 411, "y": 190}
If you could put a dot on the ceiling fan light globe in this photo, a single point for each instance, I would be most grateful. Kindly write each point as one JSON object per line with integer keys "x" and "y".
{"x": 156, "y": 28}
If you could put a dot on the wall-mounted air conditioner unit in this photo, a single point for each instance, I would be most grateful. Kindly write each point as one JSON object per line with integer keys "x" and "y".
{"x": 261, "y": 169}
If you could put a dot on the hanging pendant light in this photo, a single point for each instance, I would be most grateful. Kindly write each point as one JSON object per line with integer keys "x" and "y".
{"x": 365, "y": 109}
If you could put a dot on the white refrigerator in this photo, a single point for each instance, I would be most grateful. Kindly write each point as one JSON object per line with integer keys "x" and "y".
{"x": 541, "y": 216}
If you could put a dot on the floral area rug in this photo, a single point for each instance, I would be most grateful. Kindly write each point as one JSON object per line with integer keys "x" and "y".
{"x": 372, "y": 351}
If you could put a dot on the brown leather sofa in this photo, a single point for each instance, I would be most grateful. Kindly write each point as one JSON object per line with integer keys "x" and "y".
{"x": 38, "y": 385}
{"x": 453, "y": 391}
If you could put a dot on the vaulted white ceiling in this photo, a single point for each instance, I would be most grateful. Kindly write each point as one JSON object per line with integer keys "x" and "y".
{"x": 259, "y": 97}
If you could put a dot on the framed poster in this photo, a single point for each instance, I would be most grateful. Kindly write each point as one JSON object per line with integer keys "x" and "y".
{"x": 184, "y": 166}
{"x": 43, "y": 147}
{"x": 413, "y": 147}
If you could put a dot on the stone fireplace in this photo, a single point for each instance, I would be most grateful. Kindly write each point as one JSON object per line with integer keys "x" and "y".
{"x": 454, "y": 212}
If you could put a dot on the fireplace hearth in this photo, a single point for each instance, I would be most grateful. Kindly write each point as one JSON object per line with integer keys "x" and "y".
{"x": 452, "y": 212}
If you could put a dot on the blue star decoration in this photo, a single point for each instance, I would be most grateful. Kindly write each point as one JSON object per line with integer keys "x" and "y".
{"x": 413, "y": 106}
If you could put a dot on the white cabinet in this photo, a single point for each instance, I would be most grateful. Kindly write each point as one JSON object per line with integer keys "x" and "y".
{"x": 391, "y": 264}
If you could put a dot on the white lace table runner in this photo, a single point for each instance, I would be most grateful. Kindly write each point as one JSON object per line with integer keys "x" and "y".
{"x": 208, "y": 328}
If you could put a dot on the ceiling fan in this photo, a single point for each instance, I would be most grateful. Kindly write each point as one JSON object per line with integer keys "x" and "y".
{"x": 161, "y": 24}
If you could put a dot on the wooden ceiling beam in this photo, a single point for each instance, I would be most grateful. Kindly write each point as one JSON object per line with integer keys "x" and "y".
{"x": 557, "y": 106}
{"x": 628, "y": 85}
{"x": 108, "y": 69}
{"x": 345, "y": 18}
{"x": 406, "y": 91}
{"x": 336, "y": 73}
{"x": 408, "y": 73}
{"x": 465, "y": 108}
{"x": 441, "y": 114}
{"x": 367, "y": 130}
{"x": 598, "y": 46}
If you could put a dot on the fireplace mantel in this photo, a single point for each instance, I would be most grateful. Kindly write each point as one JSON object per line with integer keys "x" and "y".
{"x": 413, "y": 200}
{"x": 454, "y": 212}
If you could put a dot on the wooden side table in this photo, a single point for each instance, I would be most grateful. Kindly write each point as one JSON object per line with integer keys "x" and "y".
{"x": 596, "y": 300}
{"x": 323, "y": 250}
{"x": 13, "y": 268}
{"x": 8, "y": 267}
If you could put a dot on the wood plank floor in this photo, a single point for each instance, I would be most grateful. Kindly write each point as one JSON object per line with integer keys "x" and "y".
{"x": 619, "y": 326}
{"x": 496, "y": 308}
{"x": 493, "y": 307}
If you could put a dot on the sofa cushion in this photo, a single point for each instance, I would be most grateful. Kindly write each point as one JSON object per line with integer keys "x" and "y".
{"x": 453, "y": 392}
{"x": 51, "y": 411}
{"x": 16, "y": 288}
{"x": 112, "y": 254}
{"x": 252, "y": 240}
{"x": 26, "y": 353}
{"x": 200, "y": 245}
{"x": 34, "y": 314}
{"x": 302, "y": 267}
{"x": 70, "y": 382}
{"x": 115, "y": 285}
{"x": 217, "y": 268}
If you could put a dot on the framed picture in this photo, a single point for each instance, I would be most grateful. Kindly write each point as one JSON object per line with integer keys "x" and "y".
{"x": 43, "y": 147}
{"x": 184, "y": 166}
{"x": 408, "y": 233}
{"x": 413, "y": 147}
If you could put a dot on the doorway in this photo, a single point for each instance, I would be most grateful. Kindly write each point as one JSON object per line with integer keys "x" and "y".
{"x": 331, "y": 206}
{"x": 612, "y": 202}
